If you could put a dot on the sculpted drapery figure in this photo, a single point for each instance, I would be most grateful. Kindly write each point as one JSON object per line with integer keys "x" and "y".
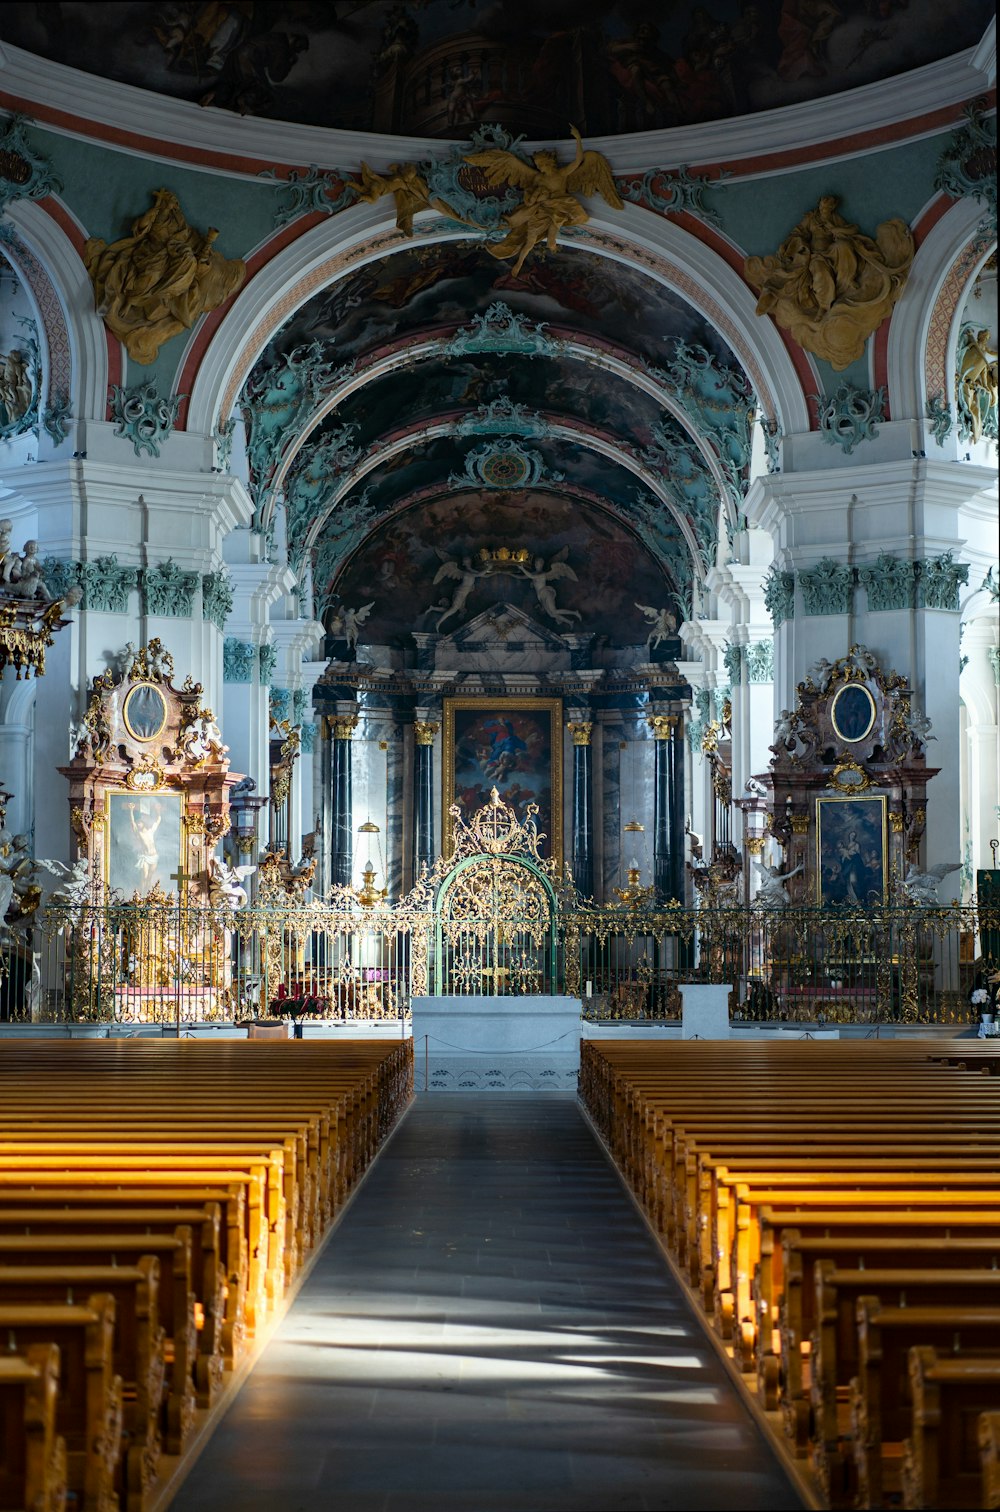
{"x": 155, "y": 282}
{"x": 831, "y": 286}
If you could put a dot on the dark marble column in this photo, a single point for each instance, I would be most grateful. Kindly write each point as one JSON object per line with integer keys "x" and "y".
{"x": 676, "y": 760}
{"x": 424, "y": 731}
{"x": 663, "y": 838}
{"x": 342, "y": 728}
{"x": 583, "y": 807}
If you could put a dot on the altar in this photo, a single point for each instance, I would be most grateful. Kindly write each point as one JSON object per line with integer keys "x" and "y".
{"x": 496, "y": 1044}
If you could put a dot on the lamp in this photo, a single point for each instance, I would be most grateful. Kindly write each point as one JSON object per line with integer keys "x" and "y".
{"x": 368, "y": 894}
{"x": 245, "y": 804}
{"x": 633, "y": 894}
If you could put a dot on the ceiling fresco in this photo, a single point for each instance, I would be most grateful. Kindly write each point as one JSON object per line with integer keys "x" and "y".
{"x": 398, "y": 564}
{"x": 437, "y": 68}
{"x": 447, "y": 284}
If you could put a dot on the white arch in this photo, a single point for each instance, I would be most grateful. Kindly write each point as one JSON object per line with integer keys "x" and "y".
{"x": 662, "y": 250}
{"x": 88, "y": 344}
{"x": 911, "y": 320}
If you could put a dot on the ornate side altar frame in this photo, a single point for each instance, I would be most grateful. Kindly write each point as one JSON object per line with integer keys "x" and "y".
{"x": 149, "y": 801}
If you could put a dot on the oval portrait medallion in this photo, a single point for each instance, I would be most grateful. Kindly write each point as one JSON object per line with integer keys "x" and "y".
{"x": 853, "y": 713}
{"x": 145, "y": 712}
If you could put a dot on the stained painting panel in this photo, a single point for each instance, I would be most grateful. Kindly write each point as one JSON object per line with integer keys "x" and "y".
{"x": 851, "y": 852}
{"x": 512, "y": 745}
{"x": 143, "y": 843}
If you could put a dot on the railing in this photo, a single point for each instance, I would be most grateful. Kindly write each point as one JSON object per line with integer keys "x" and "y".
{"x": 157, "y": 963}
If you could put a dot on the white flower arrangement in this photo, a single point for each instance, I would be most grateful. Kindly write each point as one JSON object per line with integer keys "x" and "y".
{"x": 979, "y": 997}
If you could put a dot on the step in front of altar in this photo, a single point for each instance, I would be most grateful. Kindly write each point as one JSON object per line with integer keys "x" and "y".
{"x": 496, "y": 1044}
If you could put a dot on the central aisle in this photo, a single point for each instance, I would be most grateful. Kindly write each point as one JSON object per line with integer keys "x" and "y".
{"x": 490, "y": 1328}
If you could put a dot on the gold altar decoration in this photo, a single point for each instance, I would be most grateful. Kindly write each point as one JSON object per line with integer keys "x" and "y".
{"x": 342, "y": 727}
{"x": 829, "y": 284}
{"x": 662, "y": 725}
{"x": 424, "y": 731}
{"x": 581, "y": 730}
{"x": 155, "y": 282}
{"x": 26, "y": 631}
{"x": 550, "y": 194}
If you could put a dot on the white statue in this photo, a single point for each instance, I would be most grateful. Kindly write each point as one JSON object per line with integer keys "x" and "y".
{"x": 466, "y": 576}
{"x": 788, "y": 733}
{"x": 820, "y": 673}
{"x": 225, "y": 884}
{"x": 772, "y": 891}
{"x": 74, "y": 892}
{"x": 8, "y": 559}
{"x": 542, "y": 579}
{"x": 346, "y": 623}
{"x": 918, "y": 728}
{"x": 663, "y": 622}
{"x": 860, "y": 659}
{"x": 202, "y": 737}
{"x": 922, "y": 887}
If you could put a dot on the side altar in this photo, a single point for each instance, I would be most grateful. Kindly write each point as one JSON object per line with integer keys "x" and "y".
{"x": 496, "y": 1044}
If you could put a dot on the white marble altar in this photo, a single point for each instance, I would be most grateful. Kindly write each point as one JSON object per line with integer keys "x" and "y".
{"x": 704, "y": 1010}
{"x": 496, "y": 1044}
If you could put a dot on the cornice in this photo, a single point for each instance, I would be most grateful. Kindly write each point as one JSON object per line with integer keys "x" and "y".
{"x": 143, "y": 122}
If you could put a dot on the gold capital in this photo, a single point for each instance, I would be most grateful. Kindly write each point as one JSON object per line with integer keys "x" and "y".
{"x": 343, "y": 726}
{"x": 580, "y": 731}
{"x": 662, "y": 725}
{"x": 424, "y": 731}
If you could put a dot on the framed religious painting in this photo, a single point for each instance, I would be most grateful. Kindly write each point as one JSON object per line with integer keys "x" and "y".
{"x": 513, "y": 745}
{"x": 851, "y": 845}
{"x": 143, "y": 835}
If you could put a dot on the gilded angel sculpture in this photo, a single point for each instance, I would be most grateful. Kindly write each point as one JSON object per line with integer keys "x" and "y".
{"x": 550, "y": 194}
{"x": 408, "y": 187}
{"x": 831, "y": 286}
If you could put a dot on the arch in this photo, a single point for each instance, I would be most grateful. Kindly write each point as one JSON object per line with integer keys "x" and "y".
{"x": 70, "y": 299}
{"x": 659, "y": 248}
{"x": 920, "y": 357}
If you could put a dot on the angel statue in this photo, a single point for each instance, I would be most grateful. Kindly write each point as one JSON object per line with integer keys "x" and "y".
{"x": 345, "y": 623}
{"x": 408, "y": 187}
{"x": 466, "y": 576}
{"x": 225, "y": 884}
{"x": 772, "y": 892}
{"x": 550, "y": 194}
{"x": 75, "y": 887}
{"x": 922, "y": 887}
{"x": 541, "y": 580}
{"x": 663, "y": 623}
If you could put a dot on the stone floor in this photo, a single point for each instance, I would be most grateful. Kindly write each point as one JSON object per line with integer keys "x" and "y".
{"x": 489, "y": 1329}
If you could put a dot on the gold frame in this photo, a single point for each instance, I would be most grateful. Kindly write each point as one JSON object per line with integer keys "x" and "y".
{"x": 840, "y": 799}
{"x": 853, "y": 739}
{"x": 551, "y": 706}
{"x": 145, "y": 739}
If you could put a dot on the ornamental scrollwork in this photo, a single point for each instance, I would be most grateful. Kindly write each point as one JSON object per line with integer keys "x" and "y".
{"x": 827, "y": 588}
{"x": 237, "y": 660}
{"x": 889, "y": 582}
{"x": 316, "y": 191}
{"x": 168, "y": 590}
{"x": 779, "y": 595}
{"x": 939, "y": 414}
{"x": 967, "y": 166}
{"x": 500, "y": 330}
{"x": 216, "y": 598}
{"x": 940, "y": 579}
{"x": 849, "y": 416}
{"x": 142, "y": 416}
{"x": 24, "y": 173}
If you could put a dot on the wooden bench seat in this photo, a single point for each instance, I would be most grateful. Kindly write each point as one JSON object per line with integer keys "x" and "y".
{"x": 138, "y": 1350}
{"x": 89, "y": 1401}
{"x": 941, "y": 1465}
{"x": 32, "y": 1453}
{"x": 853, "y": 1251}
{"x": 880, "y": 1404}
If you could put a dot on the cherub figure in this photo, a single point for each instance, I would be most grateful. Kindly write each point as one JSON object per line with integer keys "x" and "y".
{"x": 772, "y": 892}
{"x": 550, "y": 195}
{"x": 820, "y": 673}
{"x": 663, "y": 622}
{"x": 408, "y": 187}
{"x": 74, "y": 890}
{"x": 466, "y": 576}
{"x": 541, "y": 580}
{"x": 202, "y": 737}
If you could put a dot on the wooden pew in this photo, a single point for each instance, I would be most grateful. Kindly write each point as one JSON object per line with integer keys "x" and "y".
{"x": 847, "y": 1251}
{"x": 176, "y": 1299}
{"x": 138, "y": 1349}
{"x": 989, "y": 1458}
{"x": 89, "y": 1401}
{"x": 941, "y": 1465}
{"x": 880, "y": 1403}
{"x": 32, "y": 1453}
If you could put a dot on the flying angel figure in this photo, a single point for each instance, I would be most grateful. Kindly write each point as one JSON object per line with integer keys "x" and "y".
{"x": 345, "y": 623}
{"x": 542, "y": 580}
{"x": 922, "y": 887}
{"x": 550, "y": 194}
{"x": 663, "y": 622}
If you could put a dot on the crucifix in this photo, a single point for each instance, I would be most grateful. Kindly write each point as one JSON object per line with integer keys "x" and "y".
{"x": 180, "y": 876}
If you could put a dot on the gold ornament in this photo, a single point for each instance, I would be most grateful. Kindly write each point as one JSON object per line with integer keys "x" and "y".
{"x": 580, "y": 731}
{"x": 424, "y": 731}
{"x": 831, "y": 286}
{"x": 343, "y": 726}
{"x": 155, "y": 282}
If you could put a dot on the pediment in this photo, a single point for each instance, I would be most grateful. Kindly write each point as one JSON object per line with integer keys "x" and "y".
{"x": 503, "y": 625}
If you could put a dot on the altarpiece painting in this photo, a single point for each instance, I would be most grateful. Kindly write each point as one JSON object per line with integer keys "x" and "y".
{"x": 514, "y": 745}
